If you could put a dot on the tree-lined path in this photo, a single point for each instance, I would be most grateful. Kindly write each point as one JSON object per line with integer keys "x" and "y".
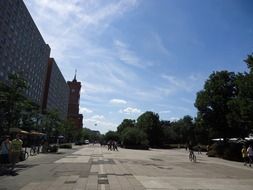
{"x": 92, "y": 167}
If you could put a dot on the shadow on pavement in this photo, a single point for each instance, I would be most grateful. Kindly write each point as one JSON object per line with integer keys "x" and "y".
{"x": 19, "y": 167}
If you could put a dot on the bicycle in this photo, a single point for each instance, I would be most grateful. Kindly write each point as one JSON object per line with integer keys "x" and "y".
{"x": 24, "y": 155}
{"x": 33, "y": 151}
{"x": 192, "y": 156}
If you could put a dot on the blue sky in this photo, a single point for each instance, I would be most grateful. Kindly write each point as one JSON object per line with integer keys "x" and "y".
{"x": 134, "y": 56}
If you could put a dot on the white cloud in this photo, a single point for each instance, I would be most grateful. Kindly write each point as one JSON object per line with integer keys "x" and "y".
{"x": 189, "y": 83}
{"x": 159, "y": 45}
{"x": 174, "y": 118}
{"x": 84, "y": 110}
{"x": 118, "y": 101}
{"x": 130, "y": 110}
{"x": 183, "y": 109}
{"x": 165, "y": 90}
{"x": 197, "y": 77}
{"x": 175, "y": 84}
{"x": 91, "y": 88}
{"x": 165, "y": 111}
{"x": 99, "y": 122}
{"x": 98, "y": 117}
{"x": 71, "y": 18}
{"x": 84, "y": 22}
{"x": 126, "y": 55}
{"x": 94, "y": 120}
{"x": 60, "y": 7}
{"x": 147, "y": 95}
{"x": 82, "y": 90}
{"x": 187, "y": 100}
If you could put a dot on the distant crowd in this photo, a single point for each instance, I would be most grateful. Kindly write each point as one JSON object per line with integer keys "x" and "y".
{"x": 112, "y": 145}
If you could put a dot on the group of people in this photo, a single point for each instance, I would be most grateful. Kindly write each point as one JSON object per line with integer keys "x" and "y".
{"x": 10, "y": 151}
{"x": 247, "y": 155}
{"x": 112, "y": 145}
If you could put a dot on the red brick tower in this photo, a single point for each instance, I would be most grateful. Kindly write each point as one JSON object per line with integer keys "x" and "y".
{"x": 73, "y": 107}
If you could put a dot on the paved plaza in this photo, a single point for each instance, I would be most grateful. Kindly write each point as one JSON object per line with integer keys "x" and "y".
{"x": 94, "y": 168}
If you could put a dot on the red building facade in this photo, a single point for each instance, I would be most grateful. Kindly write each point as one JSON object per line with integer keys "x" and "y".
{"x": 73, "y": 106}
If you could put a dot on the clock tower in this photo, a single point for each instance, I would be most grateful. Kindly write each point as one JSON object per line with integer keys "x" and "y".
{"x": 73, "y": 105}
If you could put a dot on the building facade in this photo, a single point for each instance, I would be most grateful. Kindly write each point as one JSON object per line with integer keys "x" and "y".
{"x": 56, "y": 94}
{"x": 22, "y": 48}
{"x": 74, "y": 99}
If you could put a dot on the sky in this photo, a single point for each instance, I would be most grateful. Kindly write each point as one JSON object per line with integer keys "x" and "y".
{"x": 134, "y": 56}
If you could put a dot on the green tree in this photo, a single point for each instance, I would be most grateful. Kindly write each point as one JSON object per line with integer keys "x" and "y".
{"x": 112, "y": 135}
{"x": 249, "y": 62}
{"x": 51, "y": 123}
{"x": 94, "y": 136}
{"x": 201, "y": 134}
{"x": 134, "y": 137}
{"x": 242, "y": 106}
{"x": 168, "y": 133}
{"x": 12, "y": 101}
{"x": 125, "y": 124}
{"x": 182, "y": 130}
{"x": 86, "y": 133}
{"x": 67, "y": 129}
{"x": 30, "y": 116}
{"x": 213, "y": 103}
{"x": 149, "y": 122}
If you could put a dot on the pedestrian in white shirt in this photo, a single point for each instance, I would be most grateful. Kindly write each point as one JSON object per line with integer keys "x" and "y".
{"x": 250, "y": 154}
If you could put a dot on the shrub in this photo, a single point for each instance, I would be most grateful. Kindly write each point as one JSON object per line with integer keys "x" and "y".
{"x": 229, "y": 151}
{"x": 233, "y": 152}
{"x": 202, "y": 148}
{"x": 67, "y": 145}
{"x": 53, "y": 148}
{"x": 216, "y": 150}
{"x": 134, "y": 138}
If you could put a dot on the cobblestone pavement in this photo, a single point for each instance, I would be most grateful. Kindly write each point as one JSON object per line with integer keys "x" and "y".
{"x": 94, "y": 168}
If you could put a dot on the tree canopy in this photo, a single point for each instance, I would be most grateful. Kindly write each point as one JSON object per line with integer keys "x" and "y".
{"x": 149, "y": 122}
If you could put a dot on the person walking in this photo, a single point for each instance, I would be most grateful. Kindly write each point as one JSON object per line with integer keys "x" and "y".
{"x": 250, "y": 154}
{"x": 207, "y": 149}
{"x": 16, "y": 147}
{"x": 5, "y": 151}
{"x": 115, "y": 146}
{"x": 199, "y": 149}
{"x": 244, "y": 154}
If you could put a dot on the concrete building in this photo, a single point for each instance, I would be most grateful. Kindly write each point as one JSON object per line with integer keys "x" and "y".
{"x": 24, "y": 51}
{"x": 22, "y": 48}
{"x": 74, "y": 99}
{"x": 56, "y": 94}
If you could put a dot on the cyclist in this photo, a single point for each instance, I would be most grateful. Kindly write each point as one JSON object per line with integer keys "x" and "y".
{"x": 192, "y": 156}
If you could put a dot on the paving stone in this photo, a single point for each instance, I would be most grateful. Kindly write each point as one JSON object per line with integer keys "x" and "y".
{"x": 135, "y": 183}
{"x": 80, "y": 184}
{"x": 58, "y": 183}
{"x": 127, "y": 169}
{"x": 103, "y": 187}
{"x": 92, "y": 183}
{"x": 94, "y": 168}
{"x": 113, "y": 182}
{"x": 124, "y": 183}
{"x": 30, "y": 186}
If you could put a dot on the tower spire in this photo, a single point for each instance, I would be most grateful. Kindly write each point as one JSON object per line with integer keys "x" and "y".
{"x": 75, "y": 76}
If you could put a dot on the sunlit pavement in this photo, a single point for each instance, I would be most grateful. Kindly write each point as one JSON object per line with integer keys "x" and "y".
{"x": 95, "y": 168}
